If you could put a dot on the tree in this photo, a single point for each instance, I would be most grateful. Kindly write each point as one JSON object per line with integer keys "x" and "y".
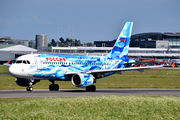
{"x": 89, "y": 44}
{"x": 61, "y": 40}
{"x": 76, "y": 43}
{"x": 79, "y": 43}
{"x": 53, "y": 42}
{"x": 62, "y": 45}
{"x": 67, "y": 41}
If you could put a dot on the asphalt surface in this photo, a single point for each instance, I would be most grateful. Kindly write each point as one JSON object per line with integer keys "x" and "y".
{"x": 2, "y": 74}
{"x": 45, "y": 93}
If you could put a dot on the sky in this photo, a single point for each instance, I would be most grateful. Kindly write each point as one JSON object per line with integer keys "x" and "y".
{"x": 86, "y": 20}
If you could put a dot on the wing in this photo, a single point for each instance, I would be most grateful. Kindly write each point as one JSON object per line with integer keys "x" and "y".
{"x": 7, "y": 63}
{"x": 112, "y": 70}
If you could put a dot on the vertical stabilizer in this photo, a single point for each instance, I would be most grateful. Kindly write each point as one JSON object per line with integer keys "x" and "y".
{"x": 121, "y": 47}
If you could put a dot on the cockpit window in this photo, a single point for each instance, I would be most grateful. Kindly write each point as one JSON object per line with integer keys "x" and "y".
{"x": 18, "y": 61}
{"x": 28, "y": 62}
{"x": 22, "y": 62}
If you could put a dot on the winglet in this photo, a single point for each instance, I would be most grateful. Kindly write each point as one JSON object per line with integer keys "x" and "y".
{"x": 173, "y": 65}
{"x": 7, "y": 63}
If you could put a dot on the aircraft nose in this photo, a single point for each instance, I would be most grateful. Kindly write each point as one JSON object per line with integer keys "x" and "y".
{"x": 12, "y": 70}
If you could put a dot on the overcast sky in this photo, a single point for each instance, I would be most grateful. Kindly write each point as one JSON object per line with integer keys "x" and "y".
{"x": 90, "y": 20}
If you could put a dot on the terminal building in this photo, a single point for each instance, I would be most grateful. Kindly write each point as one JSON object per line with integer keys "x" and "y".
{"x": 148, "y": 40}
{"x": 156, "y": 40}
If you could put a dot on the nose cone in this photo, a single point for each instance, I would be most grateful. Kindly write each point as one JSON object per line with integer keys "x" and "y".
{"x": 12, "y": 70}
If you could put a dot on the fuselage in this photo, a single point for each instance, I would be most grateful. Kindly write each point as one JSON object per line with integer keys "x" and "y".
{"x": 54, "y": 66}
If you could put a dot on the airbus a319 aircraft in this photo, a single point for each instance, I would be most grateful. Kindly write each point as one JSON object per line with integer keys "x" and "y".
{"x": 81, "y": 70}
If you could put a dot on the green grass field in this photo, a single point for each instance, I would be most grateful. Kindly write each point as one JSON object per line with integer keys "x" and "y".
{"x": 3, "y": 69}
{"x": 129, "y": 79}
{"x": 111, "y": 107}
{"x": 99, "y": 108}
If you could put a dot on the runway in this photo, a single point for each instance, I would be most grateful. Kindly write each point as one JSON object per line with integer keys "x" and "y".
{"x": 45, "y": 93}
{"x": 2, "y": 74}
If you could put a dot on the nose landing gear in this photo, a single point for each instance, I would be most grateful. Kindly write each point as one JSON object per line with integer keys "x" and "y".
{"x": 29, "y": 88}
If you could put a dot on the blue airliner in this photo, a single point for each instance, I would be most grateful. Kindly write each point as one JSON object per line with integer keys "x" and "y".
{"x": 80, "y": 69}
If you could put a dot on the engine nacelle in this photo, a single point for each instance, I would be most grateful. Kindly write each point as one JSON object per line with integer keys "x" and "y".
{"x": 24, "y": 82}
{"x": 82, "y": 80}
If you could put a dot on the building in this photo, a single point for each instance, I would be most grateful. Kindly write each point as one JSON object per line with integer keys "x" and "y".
{"x": 32, "y": 44}
{"x": 18, "y": 42}
{"x": 4, "y": 39}
{"x": 41, "y": 41}
{"x": 10, "y": 52}
{"x": 148, "y": 40}
{"x": 8, "y": 40}
{"x": 103, "y": 43}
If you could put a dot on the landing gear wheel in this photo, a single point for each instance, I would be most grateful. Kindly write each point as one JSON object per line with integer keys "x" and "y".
{"x": 29, "y": 89}
{"x": 91, "y": 88}
{"x": 56, "y": 87}
{"x": 53, "y": 87}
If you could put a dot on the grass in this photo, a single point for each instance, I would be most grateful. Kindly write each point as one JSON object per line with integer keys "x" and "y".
{"x": 109, "y": 107}
{"x": 3, "y": 69}
{"x": 148, "y": 79}
{"x": 129, "y": 79}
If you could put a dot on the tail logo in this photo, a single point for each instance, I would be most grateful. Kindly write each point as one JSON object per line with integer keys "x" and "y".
{"x": 123, "y": 38}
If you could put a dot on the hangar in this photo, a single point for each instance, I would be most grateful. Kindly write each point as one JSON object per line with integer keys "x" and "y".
{"x": 10, "y": 52}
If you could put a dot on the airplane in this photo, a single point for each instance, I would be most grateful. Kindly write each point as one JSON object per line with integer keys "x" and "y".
{"x": 81, "y": 70}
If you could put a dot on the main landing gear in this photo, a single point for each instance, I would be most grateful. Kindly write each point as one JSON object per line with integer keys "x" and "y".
{"x": 29, "y": 88}
{"x": 53, "y": 87}
{"x": 91, "y": 88}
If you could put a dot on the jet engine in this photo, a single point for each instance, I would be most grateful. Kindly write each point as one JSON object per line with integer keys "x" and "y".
{"x": 24, "y": 82}
{"x": 82, "y": 80}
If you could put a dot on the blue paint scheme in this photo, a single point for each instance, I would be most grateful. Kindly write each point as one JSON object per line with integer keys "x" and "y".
{"x": 56, "y": 70}
{"x": 87, "y": 79}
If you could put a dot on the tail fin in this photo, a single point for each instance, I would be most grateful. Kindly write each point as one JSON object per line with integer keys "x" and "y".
{"x": 121, "y": 47}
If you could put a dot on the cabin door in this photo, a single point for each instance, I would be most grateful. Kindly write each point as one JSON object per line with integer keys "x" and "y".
{"x": 39, "y": 63}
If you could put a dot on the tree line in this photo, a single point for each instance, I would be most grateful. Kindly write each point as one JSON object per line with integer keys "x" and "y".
{"x": 68, "y": 42}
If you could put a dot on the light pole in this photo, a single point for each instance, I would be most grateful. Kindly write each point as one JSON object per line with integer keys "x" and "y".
{"x": 32, "y": 34}
{"x": 72, "y": 38}
{"x": 32, "y": 43}
{"x": 57, "y": 37}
